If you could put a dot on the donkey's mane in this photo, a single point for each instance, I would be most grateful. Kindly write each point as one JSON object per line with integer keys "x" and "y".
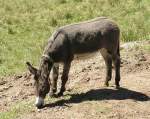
{"x": 51, "y": 41}
{"x": 48, "y": 57}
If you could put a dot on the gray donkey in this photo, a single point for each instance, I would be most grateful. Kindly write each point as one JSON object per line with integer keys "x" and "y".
{"x": 100, "y": 34}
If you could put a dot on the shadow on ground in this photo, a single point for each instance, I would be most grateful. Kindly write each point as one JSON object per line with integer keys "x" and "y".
{"x": 102, "y": 94}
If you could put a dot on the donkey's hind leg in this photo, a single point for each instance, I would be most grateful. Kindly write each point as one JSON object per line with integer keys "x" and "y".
{"x": 108, "y": 61}
{"x": 116, "y": 62}
{"x": 53, "y": 79}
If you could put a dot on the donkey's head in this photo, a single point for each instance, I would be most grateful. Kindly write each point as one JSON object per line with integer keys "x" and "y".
{"x": 41, "y": 77}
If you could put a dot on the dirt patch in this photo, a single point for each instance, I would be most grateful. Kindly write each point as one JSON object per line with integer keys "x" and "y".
{"x": 86, "y": 97}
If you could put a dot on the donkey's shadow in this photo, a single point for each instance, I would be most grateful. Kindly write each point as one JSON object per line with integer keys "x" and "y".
{"x": 102, "y": 94}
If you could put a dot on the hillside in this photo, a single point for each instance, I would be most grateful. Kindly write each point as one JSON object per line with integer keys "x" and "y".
{"x": 26, "y": 25}
{"x": 86, "y": 97}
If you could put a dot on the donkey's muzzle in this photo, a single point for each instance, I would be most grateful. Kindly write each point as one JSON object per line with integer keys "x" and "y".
{"x": 39, "y": 106}
{"x": 39, "y": 102}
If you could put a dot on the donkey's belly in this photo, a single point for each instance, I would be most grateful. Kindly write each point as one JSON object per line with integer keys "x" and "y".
{"x": 86, "y": 55}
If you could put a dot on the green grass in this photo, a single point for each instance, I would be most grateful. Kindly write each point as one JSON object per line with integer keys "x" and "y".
{"x": 146, "y": 47}
{"x": 23, "y": 108}
{"x": 16, "y": 111}
{"x": 26, "y": 25}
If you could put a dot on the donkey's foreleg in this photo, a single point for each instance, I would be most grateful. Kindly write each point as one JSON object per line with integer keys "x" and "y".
{"x": 64, "y": 77}
{"x": 54, "y": 78}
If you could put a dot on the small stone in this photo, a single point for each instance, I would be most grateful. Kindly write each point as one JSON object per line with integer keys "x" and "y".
{"x": 28, "y": 84}
{"x": 89, "y": 66}
{"x": 97, "y": 67}
{"x": 94, "y": 63}
{"x": 142, "y": 58}
{"x": 18, "y": 77}
{"x": 83, "y": 69}
{"x": 3, "y": 82}
{"x": 38, "y": 110}
{"x": 88, "y": 79}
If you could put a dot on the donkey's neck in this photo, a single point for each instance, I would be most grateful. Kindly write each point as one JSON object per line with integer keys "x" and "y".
{"x": 45, "y": 67}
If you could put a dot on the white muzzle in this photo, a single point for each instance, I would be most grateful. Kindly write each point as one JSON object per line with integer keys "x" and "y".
{"x": 39, "y": 102}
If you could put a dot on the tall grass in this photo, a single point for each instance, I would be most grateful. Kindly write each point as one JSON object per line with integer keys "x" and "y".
{"x": 25, "y": 25}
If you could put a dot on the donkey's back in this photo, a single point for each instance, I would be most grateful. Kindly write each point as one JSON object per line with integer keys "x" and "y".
{"x": 90, "y": 36}
{"x": 90, "y": 25}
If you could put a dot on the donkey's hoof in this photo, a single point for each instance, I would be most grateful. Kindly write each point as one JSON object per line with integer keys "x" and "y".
{"x": 117, "y": 86}
{"x": 106, "y": 84}
{"x": 59, "y": 94}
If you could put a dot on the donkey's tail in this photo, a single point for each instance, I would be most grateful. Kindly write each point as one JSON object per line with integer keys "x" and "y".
{"x": 118, "y": 49}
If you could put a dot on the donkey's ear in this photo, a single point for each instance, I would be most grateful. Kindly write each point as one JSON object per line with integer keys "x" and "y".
{"x": 31, "y": 68}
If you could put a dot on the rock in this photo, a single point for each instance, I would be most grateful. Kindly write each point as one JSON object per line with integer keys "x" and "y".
{"x": 84, "y": 69}
{"x": 7, "y": 87}
{"x": 97, "y": 67}
{"x": 18, "y": 77}
{"x": 94, "y": 63}
{"x": 38, "y": 110}
{"x": 28, "y": 84}
{"x": 129, "y": 46}
{"x": 89, "y": 67}
{"x": 88, "y": 79}
{"x": 3, "y": 82}
{"x": 142, "y": 58}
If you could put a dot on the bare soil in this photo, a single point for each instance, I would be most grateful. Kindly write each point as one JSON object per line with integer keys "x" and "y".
{"x": 86, "y": 97}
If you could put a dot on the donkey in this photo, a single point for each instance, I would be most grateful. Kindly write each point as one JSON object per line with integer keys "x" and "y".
{"x": 99, "y": 34}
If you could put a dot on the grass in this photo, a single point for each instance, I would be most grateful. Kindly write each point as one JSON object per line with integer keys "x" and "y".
{"x": 26, "y": 25}
{"x": 146, "y": 47}
{"x": 22, "y": 108}
{"x": 16, "y": 111}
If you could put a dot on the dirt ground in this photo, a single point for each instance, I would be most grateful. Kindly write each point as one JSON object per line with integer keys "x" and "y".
{"x": 86, "y": 97}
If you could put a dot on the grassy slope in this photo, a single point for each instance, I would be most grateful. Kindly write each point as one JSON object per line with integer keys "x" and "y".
{"x": 25, "y": 25}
